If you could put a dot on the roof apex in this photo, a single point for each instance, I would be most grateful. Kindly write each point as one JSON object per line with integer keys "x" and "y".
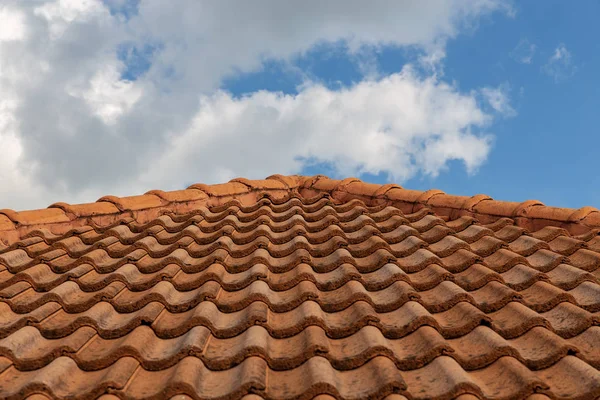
{"x": 61, "y": 217}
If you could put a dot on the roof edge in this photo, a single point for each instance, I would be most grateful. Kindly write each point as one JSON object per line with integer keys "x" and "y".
{"x": 59, "y": 217}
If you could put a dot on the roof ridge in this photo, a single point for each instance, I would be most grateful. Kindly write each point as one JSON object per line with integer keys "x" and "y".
{"x": 60, "y": 217}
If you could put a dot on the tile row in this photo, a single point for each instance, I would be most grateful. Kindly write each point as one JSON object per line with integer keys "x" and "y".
{"x": 537, "y": 348}
{"x": 500, "y": 260}
{"x": 539, "y": 297}
{"x": 157, "y": 238}
{"x": 400, "y": 242}
{"x": 511, "y": 321}
{"x": 41, "y": 277}
{"x": 506, "y": 378}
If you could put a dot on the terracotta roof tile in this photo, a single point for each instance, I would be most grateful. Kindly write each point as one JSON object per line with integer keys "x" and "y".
{"x": 297, "y": 287}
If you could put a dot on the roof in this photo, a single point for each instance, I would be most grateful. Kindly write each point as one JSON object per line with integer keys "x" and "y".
{"x": 293, "y": 287}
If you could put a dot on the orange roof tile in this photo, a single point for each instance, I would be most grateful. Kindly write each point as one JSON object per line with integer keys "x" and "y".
{"x": 295, "y": 287}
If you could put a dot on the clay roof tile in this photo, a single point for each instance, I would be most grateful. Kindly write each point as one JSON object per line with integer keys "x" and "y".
{"x": 300, "y": 287}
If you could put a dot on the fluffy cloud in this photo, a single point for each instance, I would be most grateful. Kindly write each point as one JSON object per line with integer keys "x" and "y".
{"x": 400, "y": 125}
{"x": 76, "y": 122}
{"x": 560, "y": 65}
{"x": 12, "y": 25}
{"x": 106, "y": 94}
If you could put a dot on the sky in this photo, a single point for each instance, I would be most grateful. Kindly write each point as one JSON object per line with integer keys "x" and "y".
{"x": 120, "y": 97}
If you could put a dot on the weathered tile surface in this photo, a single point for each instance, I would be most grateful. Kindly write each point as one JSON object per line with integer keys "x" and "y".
{"x": 300, "y": 287}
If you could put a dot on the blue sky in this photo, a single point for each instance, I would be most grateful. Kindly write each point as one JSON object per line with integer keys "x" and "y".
{"x": 546, "y": 151}
{"x": 467, "y": 96}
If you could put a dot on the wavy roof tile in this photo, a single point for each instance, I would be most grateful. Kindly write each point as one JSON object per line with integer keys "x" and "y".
{"x": 294, "y": 287}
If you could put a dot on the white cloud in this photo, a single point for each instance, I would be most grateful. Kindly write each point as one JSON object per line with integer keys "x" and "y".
{"x": 399, "y": 125}
{"x": 74, "y": 130}
{"x": 61, "y": 13}
{"x": 560, "y": 65}
{"x": 499, "y": 99}
{"x": 523, "y": 51}
{"x": 107, "y": 95}
{"x": 12, "y": 24}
